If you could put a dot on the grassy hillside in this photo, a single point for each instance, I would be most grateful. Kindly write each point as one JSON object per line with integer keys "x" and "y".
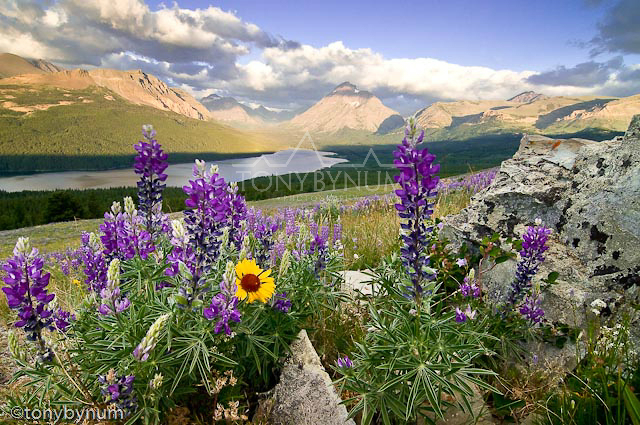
{"x": 48, "y": 129}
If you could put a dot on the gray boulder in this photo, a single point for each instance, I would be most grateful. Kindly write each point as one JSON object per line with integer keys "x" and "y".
{"x": 305, "y": 393}
{"x": 588, "y": 193}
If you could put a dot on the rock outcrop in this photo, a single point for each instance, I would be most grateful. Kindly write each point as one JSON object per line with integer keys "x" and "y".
{"x": 589, "y": 194}
{"x": 527, "y": 97}
{"x": 305, "y": 394}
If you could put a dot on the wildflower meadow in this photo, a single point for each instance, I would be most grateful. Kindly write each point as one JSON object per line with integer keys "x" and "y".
{"x": 191, "y": 316}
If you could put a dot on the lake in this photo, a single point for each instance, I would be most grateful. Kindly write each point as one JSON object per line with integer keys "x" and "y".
{"x": 233, "y": 170}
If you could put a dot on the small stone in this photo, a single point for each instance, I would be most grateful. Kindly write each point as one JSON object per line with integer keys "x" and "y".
{"x": 306, "y": 395}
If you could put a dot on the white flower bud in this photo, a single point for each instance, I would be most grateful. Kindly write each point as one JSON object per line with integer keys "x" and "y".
{"x": 94, "y": 242}
{"x": 230, "y": 273}
{"x": 129, "y": 206}
{"x": 178, "y": 231}
{"x": 23, "y": 246}
{"x": 113, "y": 273}
{"x": 284, "y": 263}
{"x": 224, "y": 237}
{"x": 156, "y": 382}
{"x": 245, "y": 248}
{"x": 116, "y": 208}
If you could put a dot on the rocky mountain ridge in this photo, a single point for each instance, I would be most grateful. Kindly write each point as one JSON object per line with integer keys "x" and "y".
{"x": 528, "y": 112}
{"x": 136, "y": 87}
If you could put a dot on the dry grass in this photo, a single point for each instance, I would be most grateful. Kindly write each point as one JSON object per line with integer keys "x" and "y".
{"x": 372, "y": 234}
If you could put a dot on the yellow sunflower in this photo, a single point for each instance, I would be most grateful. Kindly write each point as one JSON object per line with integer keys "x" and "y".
{"x": 253, "y": 282}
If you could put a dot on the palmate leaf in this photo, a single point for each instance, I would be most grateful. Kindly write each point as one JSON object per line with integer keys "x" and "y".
{"x": 432, "y": 395}
{"x": 632, "y": 404}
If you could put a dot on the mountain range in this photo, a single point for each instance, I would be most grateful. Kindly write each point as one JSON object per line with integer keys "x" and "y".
{"x": 345, "y": 108}
{"x": 527, "y": 112}
{"x": 229, "y": 110}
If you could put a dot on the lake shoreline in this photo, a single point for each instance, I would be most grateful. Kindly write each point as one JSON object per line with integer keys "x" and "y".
{"x": 236, "y": 169}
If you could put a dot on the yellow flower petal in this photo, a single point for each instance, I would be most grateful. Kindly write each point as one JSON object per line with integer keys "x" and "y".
{"x": 266, "y": 287}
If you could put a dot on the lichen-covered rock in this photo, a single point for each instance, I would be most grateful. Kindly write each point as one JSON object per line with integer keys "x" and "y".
{"x": 589, "y": 194}
{"x": 305, "y": 393}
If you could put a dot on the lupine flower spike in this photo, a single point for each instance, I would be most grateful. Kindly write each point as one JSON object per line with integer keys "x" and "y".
{"x": 418, "y": 182}
{"x": 26, "y": 292}
{"x": 112, "y": 301}
{"x": 196, "y": 249}
{"x": 148, "y": 343}
{"x": 150, "y": 164}
{"x": 223, "y": 307}
{"x": 534, "y": 244}
{"x": 118, "y": 391}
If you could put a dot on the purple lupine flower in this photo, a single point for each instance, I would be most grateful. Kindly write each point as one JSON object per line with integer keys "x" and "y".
{"x": 210, "y": 207}
{"x": 124, "y": 236}
{"x": 224, "y": 309}
{"x": 110, "y": 228}
{"x": 223, "y": 306}
{"x": 534, "y": 244}
{"x": 470, "y": 287}
{"x": 263, "y": 228}
{"x": 467, "y": 314}
{"x": 531, "y": 310}
{"x": 417, "y": 182}
{"x": 460, "y": 316}
{"x": 290, "y": 219}
{"x": 238, "y": 214}
{"x": 150, "y": 163}
{"x": 281, "y": 302}
{"x": 62, "y": 319}
{"x": 470, "y": 290}
{"x": 26, "y": 292}
{"x": 133, "y": 238}
{"x": 344, "y": 362}
{"x": 278, "y": 249}
{"x": 319, "y": 246}
{"x": 112, "y": 301}
{"x": 118, "y": 391}
{"x": 461, "y": 262}
{"x": 337, "y": 233}
{"x": 95, "y": 266}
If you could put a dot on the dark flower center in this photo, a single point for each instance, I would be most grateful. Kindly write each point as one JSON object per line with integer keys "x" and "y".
{"x": 250, "y": 282}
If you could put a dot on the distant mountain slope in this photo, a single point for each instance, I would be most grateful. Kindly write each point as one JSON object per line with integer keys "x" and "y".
{"x": 344, "y": 107}
{"x": 527, "y": 97}
{"x": 95, "y": 128}
{"x": 137, "y": 87}
{"x": 527, "y": 112}
{"x": 228, "y": 109}
{"x": 11, "y": 65}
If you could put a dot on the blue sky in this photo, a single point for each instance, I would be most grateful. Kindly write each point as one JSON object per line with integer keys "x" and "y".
{"x": 517, "y": 35}
{"x": 288, "y": 54}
